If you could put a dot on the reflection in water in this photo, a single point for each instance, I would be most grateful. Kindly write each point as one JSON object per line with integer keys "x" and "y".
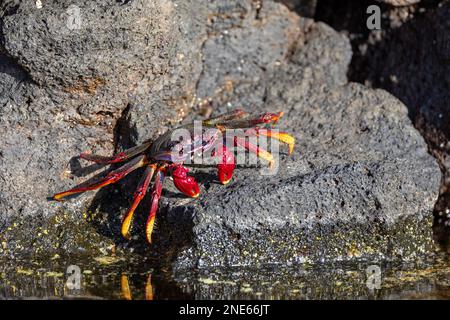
{"x": 126, "y": 292}
{"x": 441, "y": 223}
{"x": 124, "y": 280}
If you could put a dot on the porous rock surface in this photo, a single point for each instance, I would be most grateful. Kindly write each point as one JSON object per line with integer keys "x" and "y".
{"x": 421, "y": 78}
{"x": 360, "y": 183}
{"x": 68, "y": 71}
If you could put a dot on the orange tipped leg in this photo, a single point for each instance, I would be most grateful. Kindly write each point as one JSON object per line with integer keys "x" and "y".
{"x": 138, "y": 195}
{"x": 156, "y": 195}
{"x": 111, "y": 177}
{"x": 121, "y": 156}
{"x": 261, "y": 153}
{"x": 280, "y": 136}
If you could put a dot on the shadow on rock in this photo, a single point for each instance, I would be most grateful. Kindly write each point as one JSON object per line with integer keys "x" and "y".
{"x": 173, "y": 230}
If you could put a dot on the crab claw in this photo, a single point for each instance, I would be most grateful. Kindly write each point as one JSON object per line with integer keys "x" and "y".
{"x": 184, "y": 182}
{"x": 226, "y": 165}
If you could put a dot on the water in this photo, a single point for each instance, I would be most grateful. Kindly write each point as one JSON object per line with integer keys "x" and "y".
{"x": 111, "y": 277}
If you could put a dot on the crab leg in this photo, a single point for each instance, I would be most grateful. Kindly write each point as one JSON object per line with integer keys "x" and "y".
{"x": 280, "y": 136}
{"x": 119, "y": 157}
{"x": 111, "y": 177}
{"x": 140, "y": 192}
{"x": 248, "y": 123}
{"x": 233, "y": 115}
{"x": 260, "y": 152}
{"x": 156, "y": 195}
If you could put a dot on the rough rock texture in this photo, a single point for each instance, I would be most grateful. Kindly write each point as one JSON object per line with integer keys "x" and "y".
{"x": 420, "y": 79}
{"x": 66, "y": 75}
{"x": 305, "y": 8}
{"x": 359, "y": 185}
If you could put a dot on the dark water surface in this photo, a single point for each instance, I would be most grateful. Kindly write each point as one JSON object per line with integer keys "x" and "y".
{"x": 109, "y": 277}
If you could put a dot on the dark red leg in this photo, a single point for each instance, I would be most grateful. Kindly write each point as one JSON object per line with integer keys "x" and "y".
{"x": 233, "y": 115}
{"x": 248, "y": 123}
{"x": 121, "y": 156}
{"x": 140, "y": 192}
{"x": 111, "y": 177}
{"x": 156, "y": 195}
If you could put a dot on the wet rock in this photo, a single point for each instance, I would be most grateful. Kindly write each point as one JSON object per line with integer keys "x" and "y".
{"x": 68, "y": 72}
{"x": 360, "y": 183}
{"x": 324, "y": 281}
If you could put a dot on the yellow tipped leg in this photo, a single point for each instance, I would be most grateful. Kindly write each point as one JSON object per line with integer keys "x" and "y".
{"x": 61, "y": 195}
{"x": 156, "y": 195}
{"x": 291, "y": 148}
{"x": 111, "y": 177}
{"x": 280, "y": 136}
{"x": 266, "y": 156}
{"x": 286, "y": 138}
{"x": 126, "y": 224}
{"x": 149, "y": 228}
{"x": 261, "y": 153}
{"x": 138, "y": 196}
{"x": 108, "y": 180}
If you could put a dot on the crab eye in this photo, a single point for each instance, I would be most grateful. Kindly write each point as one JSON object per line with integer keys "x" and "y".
{"x": 172, "y": 144}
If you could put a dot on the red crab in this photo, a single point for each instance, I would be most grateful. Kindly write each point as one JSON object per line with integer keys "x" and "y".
{"x": 165, "y": 157}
